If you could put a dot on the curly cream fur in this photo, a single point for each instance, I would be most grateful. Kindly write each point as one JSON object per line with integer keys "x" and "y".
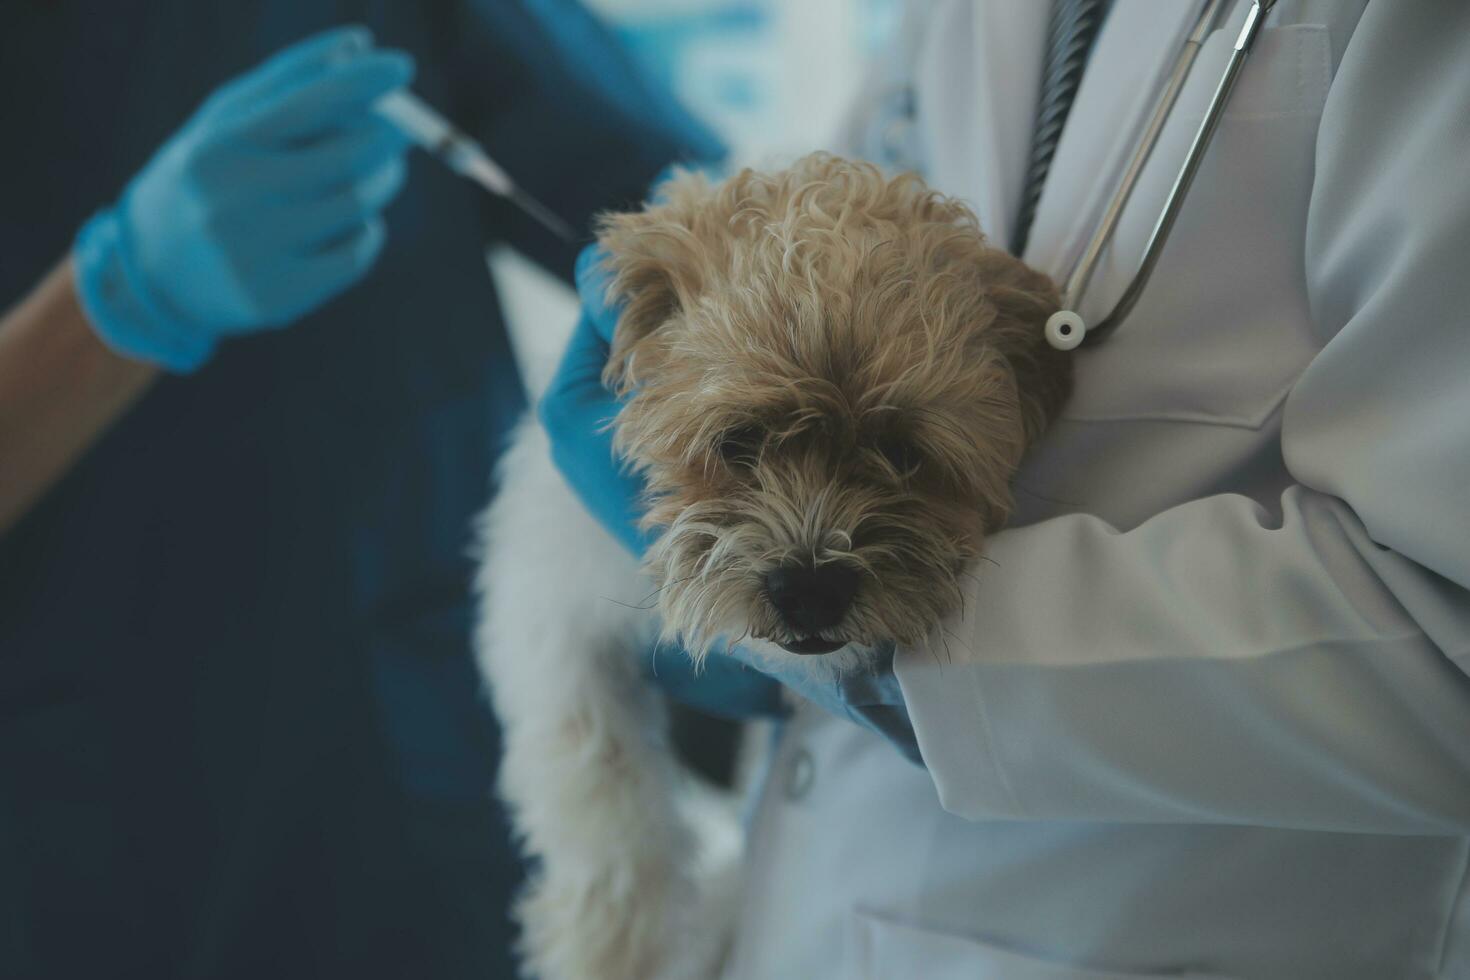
{"x": 821, "y": 363}
{"x": 831, "y": 310}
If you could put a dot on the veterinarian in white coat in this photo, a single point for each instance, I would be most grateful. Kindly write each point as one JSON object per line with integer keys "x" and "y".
{"x": 1208, "y": 712}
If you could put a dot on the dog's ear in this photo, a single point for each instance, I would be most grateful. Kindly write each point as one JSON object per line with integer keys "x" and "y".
{"x": 655, "y": 264}
{"x": 1023, "y": 300}
{"x": 1017, "y": 300}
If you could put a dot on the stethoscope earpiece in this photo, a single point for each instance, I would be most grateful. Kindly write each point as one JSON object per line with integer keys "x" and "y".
{"x": 1065, "y": 330}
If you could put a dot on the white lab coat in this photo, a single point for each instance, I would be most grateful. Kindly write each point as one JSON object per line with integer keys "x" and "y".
{"x": 1207, "y": 713}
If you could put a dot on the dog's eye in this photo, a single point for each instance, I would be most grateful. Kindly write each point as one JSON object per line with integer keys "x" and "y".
{"x": 901, "y": 454}
{"x": 741, "y": 446}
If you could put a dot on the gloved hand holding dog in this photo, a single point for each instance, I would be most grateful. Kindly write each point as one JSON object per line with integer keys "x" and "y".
{"x": 575, "y": 412}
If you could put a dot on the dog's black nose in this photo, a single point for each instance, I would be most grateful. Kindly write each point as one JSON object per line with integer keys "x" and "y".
{"x": 812, "y": 598}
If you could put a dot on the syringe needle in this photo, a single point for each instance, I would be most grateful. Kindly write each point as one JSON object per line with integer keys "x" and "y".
{"x": 464, "y": 156}
{"x": 544, "y": 215}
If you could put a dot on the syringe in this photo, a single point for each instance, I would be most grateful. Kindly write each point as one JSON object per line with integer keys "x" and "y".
{"x": 464, "y": 156}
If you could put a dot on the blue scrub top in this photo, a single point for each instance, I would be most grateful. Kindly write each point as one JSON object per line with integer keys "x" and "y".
{"x": 240, "y": 732}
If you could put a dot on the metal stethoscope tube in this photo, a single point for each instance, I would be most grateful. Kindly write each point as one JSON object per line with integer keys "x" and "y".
{"x": 1066, "y": 329}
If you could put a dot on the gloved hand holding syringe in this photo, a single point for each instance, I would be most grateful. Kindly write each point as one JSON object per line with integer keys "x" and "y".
{"x": 464, "y": 156}
{"x": 267, "y": 202}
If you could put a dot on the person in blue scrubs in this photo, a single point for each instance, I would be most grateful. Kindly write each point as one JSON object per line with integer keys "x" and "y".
{"x": 240, "y": 730}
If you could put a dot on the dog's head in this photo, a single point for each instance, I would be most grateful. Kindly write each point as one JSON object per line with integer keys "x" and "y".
{"x": 830, "y": 378}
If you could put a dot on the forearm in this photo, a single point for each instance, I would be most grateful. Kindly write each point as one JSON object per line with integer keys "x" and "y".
{"x": 60, "y": 388}
{"x": 1218, "y": 664}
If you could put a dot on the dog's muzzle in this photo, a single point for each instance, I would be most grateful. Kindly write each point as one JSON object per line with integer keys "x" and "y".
{"x": 811, "y": 598}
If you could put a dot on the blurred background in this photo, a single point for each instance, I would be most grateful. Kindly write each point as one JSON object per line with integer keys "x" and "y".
{"x": 772, "y": 77}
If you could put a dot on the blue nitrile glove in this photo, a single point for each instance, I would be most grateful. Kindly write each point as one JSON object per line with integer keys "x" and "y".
{"x": 722, "y": 685}
{"x": 576, "y": 411}
{"x": 266, "y": 204}
{"x": 872, "y": 699}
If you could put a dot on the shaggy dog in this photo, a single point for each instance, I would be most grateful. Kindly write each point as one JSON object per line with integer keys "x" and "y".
{"x": 828, "y": 380}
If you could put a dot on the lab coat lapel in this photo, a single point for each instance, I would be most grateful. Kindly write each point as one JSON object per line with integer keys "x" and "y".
{"x": 980, "y": 118}
{"x": 1131, "y": 61}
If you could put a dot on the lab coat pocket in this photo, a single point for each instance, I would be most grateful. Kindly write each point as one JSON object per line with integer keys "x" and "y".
{"x": 881, "y": 949}
{"x": 1223, "y": 328}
